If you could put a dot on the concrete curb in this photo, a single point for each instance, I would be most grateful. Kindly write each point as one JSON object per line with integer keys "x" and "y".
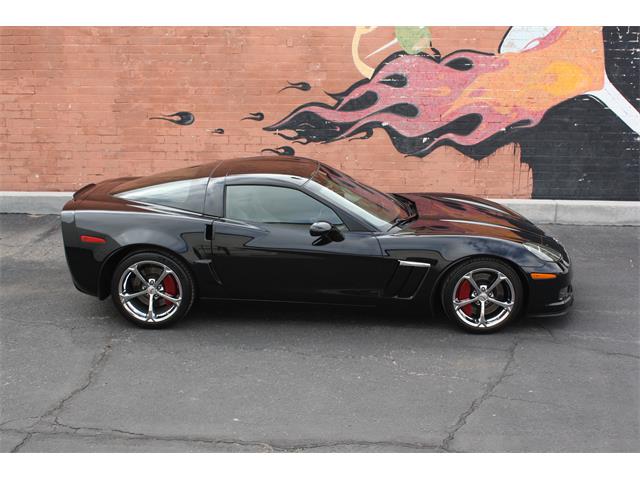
{"x": 576, "y": 212}
{"x": 33, "y": 202}
{"x": 564, "y": 212}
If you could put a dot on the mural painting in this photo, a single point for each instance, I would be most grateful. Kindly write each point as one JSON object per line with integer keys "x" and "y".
{"x": 179, "y": 118}
{"x": 256, "y": 116}
{"x": 542, "y": 112}
{"x": 544, "y": 88}
{"x": 304, "y": 86}
{"x": 285, "y": 150}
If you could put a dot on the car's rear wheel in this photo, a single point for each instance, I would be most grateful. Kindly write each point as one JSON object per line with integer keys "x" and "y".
{"x": 482, "y": 295}
{"x": 152, "y": 289}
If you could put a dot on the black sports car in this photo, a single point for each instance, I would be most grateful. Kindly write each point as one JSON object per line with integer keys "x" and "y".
{"x": 294, "y": 229}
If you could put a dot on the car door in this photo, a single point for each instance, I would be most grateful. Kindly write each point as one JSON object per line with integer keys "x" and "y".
{"x": 262, "y": 249}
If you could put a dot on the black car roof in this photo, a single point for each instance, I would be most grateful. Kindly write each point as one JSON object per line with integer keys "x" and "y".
{"x": 277, "y": 165}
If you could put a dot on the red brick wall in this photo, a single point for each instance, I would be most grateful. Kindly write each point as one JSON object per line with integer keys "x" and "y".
{"x": 75, "y": 105}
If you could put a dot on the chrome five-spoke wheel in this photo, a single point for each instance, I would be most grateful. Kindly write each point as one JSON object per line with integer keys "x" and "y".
{"x": 482, "y": 295}
{"x": 152, "y": 289}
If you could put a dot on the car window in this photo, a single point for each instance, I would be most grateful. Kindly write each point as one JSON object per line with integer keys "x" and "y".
{"x": 377, "y": 208}
{"x": 183, "y": 194}
{"x": 268, "y": 204}
{"x": 183, "y": 188}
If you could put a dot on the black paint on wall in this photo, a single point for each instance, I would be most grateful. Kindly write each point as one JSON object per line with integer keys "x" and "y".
{"x": 179, "y": 118}
{"x": 580, "y": 149}
{"x": 285, "y": 151}
{"x": 304, "y": 86}
{"x": 256, "y": 116}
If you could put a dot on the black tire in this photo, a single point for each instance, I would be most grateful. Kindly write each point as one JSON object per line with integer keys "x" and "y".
{"x": 152, "y": 264}
{"x": 484, "y": 272}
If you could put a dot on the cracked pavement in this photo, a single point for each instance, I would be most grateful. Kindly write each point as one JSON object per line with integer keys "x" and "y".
{"x": 272, "y": 377}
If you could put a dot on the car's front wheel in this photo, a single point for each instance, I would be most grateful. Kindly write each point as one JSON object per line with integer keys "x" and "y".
{"x": 152, "y": 289}
{"x": 482, "y": 295}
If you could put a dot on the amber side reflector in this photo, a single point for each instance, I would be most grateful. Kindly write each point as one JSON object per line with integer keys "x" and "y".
{"x": 90, "y": 239}
{"x": 543, "y": 276}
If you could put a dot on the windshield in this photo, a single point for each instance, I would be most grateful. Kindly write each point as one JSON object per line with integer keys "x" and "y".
{"x": 377, "y": 208}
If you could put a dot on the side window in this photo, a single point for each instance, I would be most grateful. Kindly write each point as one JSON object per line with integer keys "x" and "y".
{"x": 267, "y": 204}
{"x": 183, "y": 194}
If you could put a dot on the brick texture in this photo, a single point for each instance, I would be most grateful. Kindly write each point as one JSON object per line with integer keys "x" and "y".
{"x": 75, "y": 105}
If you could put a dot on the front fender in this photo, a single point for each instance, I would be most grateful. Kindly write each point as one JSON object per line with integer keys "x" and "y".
{"x": 444, "y": 251}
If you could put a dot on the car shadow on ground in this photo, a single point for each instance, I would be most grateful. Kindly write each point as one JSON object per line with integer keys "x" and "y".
{"x": 263, "y": 314}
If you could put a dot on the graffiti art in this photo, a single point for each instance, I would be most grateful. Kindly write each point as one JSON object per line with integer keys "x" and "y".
{"x": 542, "y": 84}
{"x": 257, "y": 116}
{"x": 179, "y": 118}
{"x": 285, "y": 150}
{"x": 304, "y": 86}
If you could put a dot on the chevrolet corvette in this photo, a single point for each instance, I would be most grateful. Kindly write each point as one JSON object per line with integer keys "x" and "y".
{"x": 294, "y": 229}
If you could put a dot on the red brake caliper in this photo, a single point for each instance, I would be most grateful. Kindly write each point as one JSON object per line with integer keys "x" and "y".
{"x": 170, "y": 287}
{"x": 464, "y": 292}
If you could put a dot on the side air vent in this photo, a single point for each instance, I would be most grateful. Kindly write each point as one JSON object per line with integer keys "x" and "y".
{"x": 406, "y": 279}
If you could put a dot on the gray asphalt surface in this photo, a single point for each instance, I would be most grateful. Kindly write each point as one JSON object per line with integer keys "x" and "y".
{"x": 256, "y": 377}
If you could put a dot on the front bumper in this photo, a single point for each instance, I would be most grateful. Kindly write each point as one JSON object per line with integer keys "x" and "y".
{"x": 554, "y": 309}
{"x": 551, "y": 297}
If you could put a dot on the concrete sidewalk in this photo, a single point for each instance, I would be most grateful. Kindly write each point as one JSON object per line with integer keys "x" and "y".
{"x": 562, "y": 212}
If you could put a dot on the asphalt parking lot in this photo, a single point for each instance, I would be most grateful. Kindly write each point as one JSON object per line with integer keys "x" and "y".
{"x": 269, "y": 377}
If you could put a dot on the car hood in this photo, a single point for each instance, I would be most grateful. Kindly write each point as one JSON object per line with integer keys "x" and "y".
{"x": 453, "y": 214}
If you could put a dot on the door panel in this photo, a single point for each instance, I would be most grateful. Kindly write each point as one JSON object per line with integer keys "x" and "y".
{"x": 279, "y": 261}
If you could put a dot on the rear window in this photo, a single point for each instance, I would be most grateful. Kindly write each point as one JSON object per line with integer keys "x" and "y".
{"x": 184, "y": 188}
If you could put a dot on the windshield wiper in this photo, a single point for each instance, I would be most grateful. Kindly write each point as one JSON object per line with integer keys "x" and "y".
{"x": 407, "y": 205}
{"x": 399, "y": 221}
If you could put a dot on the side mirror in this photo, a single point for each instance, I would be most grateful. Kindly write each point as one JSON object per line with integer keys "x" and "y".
{"x": 326, "y": 233}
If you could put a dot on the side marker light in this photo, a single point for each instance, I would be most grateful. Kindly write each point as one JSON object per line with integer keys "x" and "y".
{"x": 543, "y": 276}
{"x": 90, "y": 239}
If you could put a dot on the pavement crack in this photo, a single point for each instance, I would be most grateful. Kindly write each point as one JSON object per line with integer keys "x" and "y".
{"x": 12, "y": 420}
{"x": 93, "y": 432}
{"x": 390, "y": 358}
{"x": 620, "y": 354}
{"x": 536, "y": 402}
{"x": 42, "y": 236}
{"x": 556, "y": 341}
{"x": 547, "y": 329}
{"x": 475, "y": 404}
{"x": 118, "y": 433}
{"x": 26, "y": 438}
{"x": 97, "y": 363}
{"x": 362, "y": 443}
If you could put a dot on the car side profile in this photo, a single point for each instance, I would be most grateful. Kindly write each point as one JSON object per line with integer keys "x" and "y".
{"x": 295, "y": 229}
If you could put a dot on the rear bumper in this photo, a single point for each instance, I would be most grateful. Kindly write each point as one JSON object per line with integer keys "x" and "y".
{"x": 82, "y": 264}
{"x": 84, "y": 270}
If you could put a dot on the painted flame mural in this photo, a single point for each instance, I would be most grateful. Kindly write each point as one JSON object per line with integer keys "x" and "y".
{"x": 474, "y": 101}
